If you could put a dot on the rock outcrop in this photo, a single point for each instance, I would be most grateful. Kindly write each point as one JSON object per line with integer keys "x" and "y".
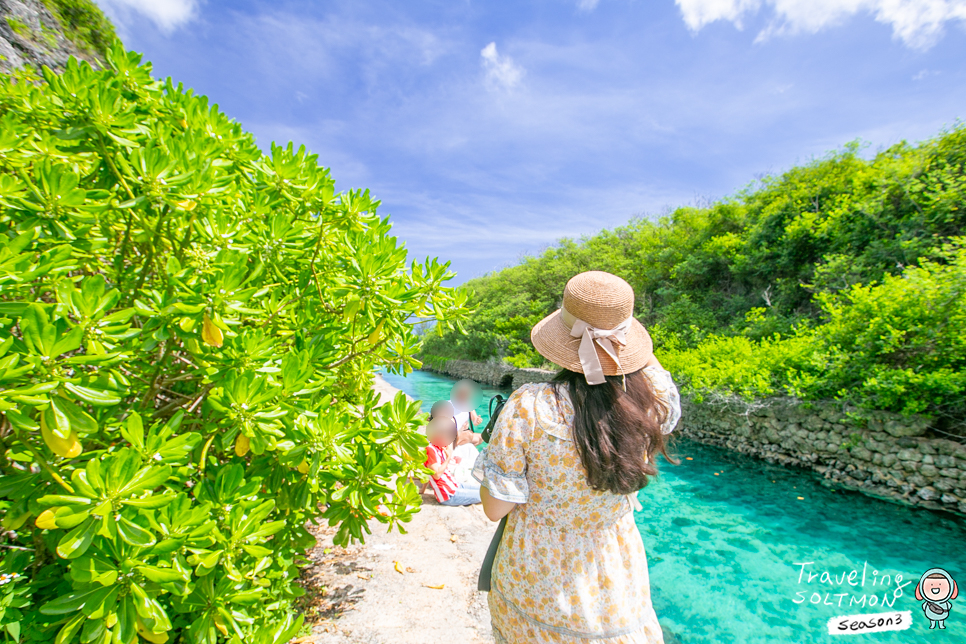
{"x": 30, "y": 34}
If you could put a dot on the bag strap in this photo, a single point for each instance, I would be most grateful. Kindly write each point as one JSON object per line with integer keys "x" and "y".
{"x": 483, "y": 583}
{"x": 494, "y": 414}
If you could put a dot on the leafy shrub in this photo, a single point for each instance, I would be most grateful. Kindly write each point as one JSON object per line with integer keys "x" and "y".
{"x": 899, "y": 345}
{"x": 188, "y": 334}
{"x": 740, "y": 366}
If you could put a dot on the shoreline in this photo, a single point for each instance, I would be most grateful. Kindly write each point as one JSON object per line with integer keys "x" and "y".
{"x": 363, "y": 599}
{"x": 883, "y": 455}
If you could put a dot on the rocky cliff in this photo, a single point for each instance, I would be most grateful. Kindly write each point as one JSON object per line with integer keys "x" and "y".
{"x": 48, "y": 33}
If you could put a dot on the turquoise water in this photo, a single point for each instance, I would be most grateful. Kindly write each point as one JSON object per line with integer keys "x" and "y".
{"x": 428, "y": 388}
{"x": 724, "y": 549}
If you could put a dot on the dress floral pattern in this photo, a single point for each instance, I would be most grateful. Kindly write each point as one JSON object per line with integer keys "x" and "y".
{"x": 571, "y": 567}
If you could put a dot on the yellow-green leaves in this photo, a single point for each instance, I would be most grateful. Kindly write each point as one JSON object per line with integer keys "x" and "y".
{"x": 188, "y": 329}
{"x": 211, "y": 334}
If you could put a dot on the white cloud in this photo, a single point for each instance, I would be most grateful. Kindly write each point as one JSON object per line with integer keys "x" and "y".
{"x": 917, "y": 23}
{"x": 168, "y": 15}
{"x": 587, "y": 5}
{"x": 501, "y": 71}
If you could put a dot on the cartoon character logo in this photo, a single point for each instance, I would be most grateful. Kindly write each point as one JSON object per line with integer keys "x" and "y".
{"x": 936, "y": 590}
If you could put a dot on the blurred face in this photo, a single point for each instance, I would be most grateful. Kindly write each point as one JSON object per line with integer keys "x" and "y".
{"x": 443, "y": 409}
{"x": 441, "y": 431}
{"x": 462, "y": 395}
{"x": 936, "y": 588}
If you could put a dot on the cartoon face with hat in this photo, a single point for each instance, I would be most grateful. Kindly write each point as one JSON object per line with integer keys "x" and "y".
{"x": 936, "y": 590}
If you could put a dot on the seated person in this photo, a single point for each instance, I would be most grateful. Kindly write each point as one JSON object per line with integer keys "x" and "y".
{"x": 442, "y": 435}
{"x": 462, "y": 398}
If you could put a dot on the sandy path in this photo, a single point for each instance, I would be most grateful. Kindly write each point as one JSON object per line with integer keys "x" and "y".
{"x": 369, "y": 602}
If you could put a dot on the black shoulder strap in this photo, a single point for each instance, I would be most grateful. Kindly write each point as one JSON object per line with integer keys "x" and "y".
{"x": 496, "y": 406}
{"x": 483, "y": 583}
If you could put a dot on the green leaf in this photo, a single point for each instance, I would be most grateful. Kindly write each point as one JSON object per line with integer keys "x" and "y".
{"x": 160, "y": 575}
{"x": 67, "y": 632}
{"x": 147, "y": 478}
{"x": 134, "y": 534}
{"x": 151, "y": 502}
{"x": 69, "y": 603}
{"x": 33, "y": 326}
{"x": 57, "y": 421}
{"x": 80, "y": 421}
{"x": 126, "y": 627}
{"x": 88, "y": 569}
{"x": 77, "y": 541}
{"x": 95, "y": 397}
{"x": 133, "y": 430}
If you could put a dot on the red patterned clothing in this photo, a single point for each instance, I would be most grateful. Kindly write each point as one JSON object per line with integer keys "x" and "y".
{"x": 444, "y": 485}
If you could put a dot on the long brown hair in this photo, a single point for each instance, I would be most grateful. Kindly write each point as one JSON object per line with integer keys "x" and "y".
{"x": 617, "y": 432}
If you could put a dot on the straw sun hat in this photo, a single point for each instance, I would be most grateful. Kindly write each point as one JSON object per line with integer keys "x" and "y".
{"x": 594, "y": 332}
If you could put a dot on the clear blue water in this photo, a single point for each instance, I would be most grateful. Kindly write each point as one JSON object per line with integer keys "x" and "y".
{"x": 724, "y": 549}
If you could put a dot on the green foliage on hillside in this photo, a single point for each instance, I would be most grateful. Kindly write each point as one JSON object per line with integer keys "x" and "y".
{"x": 833, "y": 279}
{"x": 188, "y": 332}
{"x": 85, "y": 24}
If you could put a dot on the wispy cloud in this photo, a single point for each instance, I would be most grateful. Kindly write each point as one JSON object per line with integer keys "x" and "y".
{"x": 587, "y": 5}
{"x": 501, "y": 71}
{"x": 168, "y": 15}
{"x": 919, "y": 24}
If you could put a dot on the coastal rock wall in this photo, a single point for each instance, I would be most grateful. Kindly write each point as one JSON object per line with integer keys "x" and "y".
{"x": 881, "y": 454}
{"x": 493, "y": 374}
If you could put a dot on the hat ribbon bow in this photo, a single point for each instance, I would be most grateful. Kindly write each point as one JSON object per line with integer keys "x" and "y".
{"x": 605, "y": 338}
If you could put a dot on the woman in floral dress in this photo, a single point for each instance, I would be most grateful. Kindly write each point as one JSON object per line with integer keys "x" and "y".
{"x": 564, "y": 465}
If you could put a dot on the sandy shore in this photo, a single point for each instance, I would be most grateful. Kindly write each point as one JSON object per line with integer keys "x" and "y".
{"x": 358, "y": 597}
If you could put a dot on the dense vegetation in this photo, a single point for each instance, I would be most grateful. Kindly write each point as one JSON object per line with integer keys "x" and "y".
{"x": 843, "y": 278}
{"x": 85, "y": 24}
{"x": 188, "y": 331}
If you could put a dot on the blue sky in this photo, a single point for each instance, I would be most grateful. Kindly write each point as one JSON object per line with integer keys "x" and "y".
{"x": 491, "y": 129}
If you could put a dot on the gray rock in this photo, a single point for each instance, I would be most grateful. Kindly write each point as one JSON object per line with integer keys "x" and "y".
{"x": 945, "y": 460}
{"x": 927, "y": 494}
{"x": 917, "y": 481}
{"x": 945, "y": 485}
{"x": 949, "y": 499}
{"x": 929, "y": 471}
{"x": 909, "y": 455}
{"x": 888, "y": 460}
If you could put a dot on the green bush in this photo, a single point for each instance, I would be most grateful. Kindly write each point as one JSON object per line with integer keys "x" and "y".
{"x": 189, "y": 330}
{"x": 899, "y": 345}
{"x": 739, "y": 366}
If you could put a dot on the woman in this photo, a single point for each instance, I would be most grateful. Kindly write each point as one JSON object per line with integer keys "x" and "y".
{"x": 564, "y": 465}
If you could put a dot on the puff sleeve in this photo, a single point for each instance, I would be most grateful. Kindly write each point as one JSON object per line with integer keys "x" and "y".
{"x": 502, "y": 465}
{"x": 667, "y": 392}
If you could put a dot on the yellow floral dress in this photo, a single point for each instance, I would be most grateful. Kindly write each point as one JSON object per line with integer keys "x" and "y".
{"x": 571, "y": 567}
